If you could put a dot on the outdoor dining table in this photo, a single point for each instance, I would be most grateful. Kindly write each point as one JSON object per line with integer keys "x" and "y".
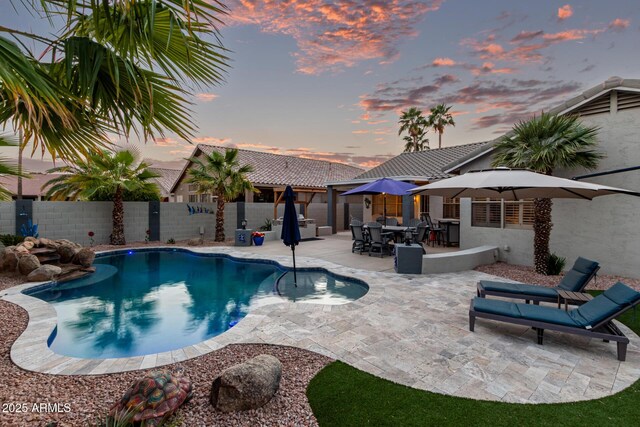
{"x": 397, "y": 230}
{"x": 451, "y": 230}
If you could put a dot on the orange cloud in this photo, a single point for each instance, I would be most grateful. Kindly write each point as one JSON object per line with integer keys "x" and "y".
{"x": 619, "y": 24}
{"x": 443, "y": 62}
{"x": 565, "y": 12}
{"x": 211, "y": 140}
{"x": 166, "y": 142}
{"x": 334, "y": 35}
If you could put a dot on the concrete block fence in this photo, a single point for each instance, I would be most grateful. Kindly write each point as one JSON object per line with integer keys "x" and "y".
{"x": 74, "y": 220}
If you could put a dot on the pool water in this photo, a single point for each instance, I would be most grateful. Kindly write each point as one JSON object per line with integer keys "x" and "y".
{"x": 147, "y": 302}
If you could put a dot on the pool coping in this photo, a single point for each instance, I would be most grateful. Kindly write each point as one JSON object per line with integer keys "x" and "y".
{"x": 31, "y": 352}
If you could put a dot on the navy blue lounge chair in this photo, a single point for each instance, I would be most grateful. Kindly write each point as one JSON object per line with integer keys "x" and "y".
{"x": 575, "y": 280}
{"x": 593, "y": 319}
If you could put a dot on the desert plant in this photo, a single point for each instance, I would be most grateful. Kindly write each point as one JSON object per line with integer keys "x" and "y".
{"x": 10, "y": 239}
{"x": 222, "y": 175}
{"x": 542, "y": 144}
{"x": 29, "y": 229}
{"x": 555, "y": 264}
{"x": 266, "y": 226}
{"x": 171, "y": 241}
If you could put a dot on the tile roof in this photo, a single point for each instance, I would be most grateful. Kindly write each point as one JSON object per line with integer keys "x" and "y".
{"x": 428, "y": 163}
{"x": 278, "y": 169}
{"x": 167, "y": 178}
{"x": 31, "y": 186}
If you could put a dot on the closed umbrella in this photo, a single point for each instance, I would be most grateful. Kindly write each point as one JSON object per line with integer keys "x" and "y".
{"x": 290, "y": 230}
{"x": 516, "y": 184}
{"x": 383, "y": 186}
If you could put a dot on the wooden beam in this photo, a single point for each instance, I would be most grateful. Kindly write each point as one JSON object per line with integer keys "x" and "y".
{"x": 277, "y": 201}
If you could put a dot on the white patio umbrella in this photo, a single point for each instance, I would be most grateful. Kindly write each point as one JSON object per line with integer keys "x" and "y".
{"x": 516, "y": 184}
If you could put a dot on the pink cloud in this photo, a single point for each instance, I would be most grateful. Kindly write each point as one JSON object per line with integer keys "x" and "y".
{"x": 571, "y": 35}
{"x": 443, "y": 62}
{"x": 565, "y": 12}
{"x": 206, "y": 97}
{"x": 166, "y": 142}
{"x": 619, "y": 24}
{"x": 334, "y": 35}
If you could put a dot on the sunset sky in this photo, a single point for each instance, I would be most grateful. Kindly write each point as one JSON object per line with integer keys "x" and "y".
{"x": 328, "y": 79}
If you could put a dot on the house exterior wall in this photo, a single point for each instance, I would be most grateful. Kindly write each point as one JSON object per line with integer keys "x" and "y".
{"x": 605, "y": 229}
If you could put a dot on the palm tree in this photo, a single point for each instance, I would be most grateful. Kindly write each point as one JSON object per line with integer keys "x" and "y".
{"x": 117, "y": 67}
{"x": 104, "y": 172}
{"x": 438, "y": 119}
{"x": 543, "y": 144}
{"x": 221, "y": 175}
{"x": 413, "y": 122}
{"x": 7, "y": 169}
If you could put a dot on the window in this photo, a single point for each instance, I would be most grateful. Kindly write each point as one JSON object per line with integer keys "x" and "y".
{"x": 394, "y": 205}
{"x": 486, "y": 212}
{"x": 193, "y": 198}
{"x": 205, "y": 198}
{"x": 497, "y": 213}
{"x": 451, "y": 208}
{"x": 424, "y": 205}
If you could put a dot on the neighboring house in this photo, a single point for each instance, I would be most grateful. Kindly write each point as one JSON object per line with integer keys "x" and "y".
{"x": 604, "y": 229}
{"x": 419, "y": 168}
{"x": 272, "y": 173}
{"x": 31, "y": 186}
{"x": 165, "y": 181}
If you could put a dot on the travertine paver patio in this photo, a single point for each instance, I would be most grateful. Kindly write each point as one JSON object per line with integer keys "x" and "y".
{"x": 409, "y": 329}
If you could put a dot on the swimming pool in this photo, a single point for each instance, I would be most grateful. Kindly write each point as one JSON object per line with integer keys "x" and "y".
{"x": 151, "y": 301}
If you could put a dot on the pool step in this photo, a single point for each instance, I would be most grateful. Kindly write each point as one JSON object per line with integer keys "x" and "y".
{"x": 71, "y": 272}
{"x": 46, "y": 255}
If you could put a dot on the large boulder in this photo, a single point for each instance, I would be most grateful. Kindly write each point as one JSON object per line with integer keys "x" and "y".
{"x": 31, "y": 239}
{"x": 84, "y": 257}
{"x": 67, "y": 242}
{"x": 67, "y": 253}
{"x": 44, "y": 273}
{"x": 28, "y": 263}
{"x": 48, "y": 243}
{"x": 9, "y": 260}
{"x": 27, "y": 244}
{"x": 248, "y": 385}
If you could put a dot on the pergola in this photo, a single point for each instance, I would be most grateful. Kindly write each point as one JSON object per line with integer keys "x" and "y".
{"x": 278, "y": 194}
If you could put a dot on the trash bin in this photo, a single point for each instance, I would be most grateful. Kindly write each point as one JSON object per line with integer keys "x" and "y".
{"x": 408, "y": 259}
{"x": 243, "y": 237}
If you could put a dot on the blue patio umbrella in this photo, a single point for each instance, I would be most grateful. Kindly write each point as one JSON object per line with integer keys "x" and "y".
{"x": 290, "y": 230}
{"x": 383, "y": 186}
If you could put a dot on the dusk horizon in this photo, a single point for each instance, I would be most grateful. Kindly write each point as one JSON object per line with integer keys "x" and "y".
{"x": 329, "y": 80}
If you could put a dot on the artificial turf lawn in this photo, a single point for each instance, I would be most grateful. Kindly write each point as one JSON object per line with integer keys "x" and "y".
{"x": 341, "y": 395}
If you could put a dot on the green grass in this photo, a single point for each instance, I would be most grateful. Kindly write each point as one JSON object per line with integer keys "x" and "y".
{"x": 341, "y": 395}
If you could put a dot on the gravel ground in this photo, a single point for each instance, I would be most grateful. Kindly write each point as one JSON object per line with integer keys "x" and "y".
{"x": 90, "y": 397}
{"x": 524, "y": 274}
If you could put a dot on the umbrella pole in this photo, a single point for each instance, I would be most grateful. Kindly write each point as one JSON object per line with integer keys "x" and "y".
{"x": 295, "y": 277}
{"x": 384, "y": 208}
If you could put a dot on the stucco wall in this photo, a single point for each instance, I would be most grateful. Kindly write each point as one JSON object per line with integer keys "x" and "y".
{"x": 605, "y": 229}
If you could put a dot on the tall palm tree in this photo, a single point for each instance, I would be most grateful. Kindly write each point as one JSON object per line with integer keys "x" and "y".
{"x": 223, "y": 176}
{"x": 117, "y": 66}
{"x": 439, "y": 118}
{"x": 543, "y": 144}
{"x": 104, "y": 172}
{"x": 414, "y": 124}
{"x": 7, "y": 169}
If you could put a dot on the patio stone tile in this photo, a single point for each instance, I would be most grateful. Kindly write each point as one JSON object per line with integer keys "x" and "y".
{"x": 411, "y": 330}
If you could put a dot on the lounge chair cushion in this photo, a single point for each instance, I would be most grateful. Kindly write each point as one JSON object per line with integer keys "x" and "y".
{"x": 519, "y": 288}
{"x": 524, "y": 311}
{"x": 621, "y": 294}
{"x": 576, "y": 279}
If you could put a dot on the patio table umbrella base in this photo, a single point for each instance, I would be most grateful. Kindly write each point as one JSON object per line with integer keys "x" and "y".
{"x": 290, "y": 229}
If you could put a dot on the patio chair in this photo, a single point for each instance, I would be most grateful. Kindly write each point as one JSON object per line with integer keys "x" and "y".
{"x": 355, "y": 222}
{"x": 413, "y": 222}
{"x": 436, "y": 234}
{"x": 378, "y": 239}
{"x": 380, "y": 220}
{"x": 392, "y": 221}
{"x": 593, "y": 319}
{"x": 360, "y": 239}
{"x": 575, "y": 280}
{"x": 420, "y": 234}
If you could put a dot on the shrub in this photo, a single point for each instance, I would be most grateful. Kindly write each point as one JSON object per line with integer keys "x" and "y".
{"x": 555, "y": 265}
{"x": 266, "y": 226}
{"x": 171, "y": 241}
{"x": 10, "y": 239}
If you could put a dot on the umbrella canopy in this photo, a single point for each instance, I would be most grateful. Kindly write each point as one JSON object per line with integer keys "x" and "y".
{"x": 290, "y": 229}
{"x": 516, "y": 184}
{"x": 383, "y": 185}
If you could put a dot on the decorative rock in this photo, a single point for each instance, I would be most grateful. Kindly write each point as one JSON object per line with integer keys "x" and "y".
{"x": 30, "y": 239}
{"x": 67, "y": 253}
{"x": 28, "y": 245}
{"x": 84, "y": 257}
{"x": 28, "y": 263}
{"x": 248, "y": 385}
{"x": 21, "y": 250}
{"x": 48, "y": 243}
{"x": 9, "y": 260}
{"x": 194, "y": 242}
{"x": 68, "y": 242}
{"x": 43, "y": 273}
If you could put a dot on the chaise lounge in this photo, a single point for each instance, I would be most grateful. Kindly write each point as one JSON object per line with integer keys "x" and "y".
{"x": 593, "y": 319}
{"x": 575, "y": 280}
